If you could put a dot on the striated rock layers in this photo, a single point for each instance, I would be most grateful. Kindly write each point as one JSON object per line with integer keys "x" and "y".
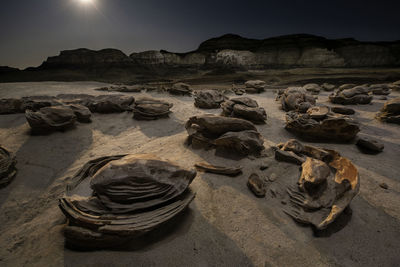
{"x": 114, "y": 199}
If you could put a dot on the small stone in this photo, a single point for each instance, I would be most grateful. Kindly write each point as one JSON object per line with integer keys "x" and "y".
{"x": 256, "y": 185}
{"x": 272, "y": 177}
{"x": 368, "y": 145}
{"x": 384, "y": 186}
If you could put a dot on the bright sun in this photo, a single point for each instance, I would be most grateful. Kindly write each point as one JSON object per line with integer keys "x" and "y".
{"x": 85, "y": 2}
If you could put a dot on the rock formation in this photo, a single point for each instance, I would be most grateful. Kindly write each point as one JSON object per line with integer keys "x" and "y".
{"x": 229, "y": 171}
{"x": 232, "y": 134}
{"x": 390, "y": 111}
{"x": 48, "y": 119}
{"x": 7, "y": 167}
{"x": 255, "y": 86}
{"x": 330, "y": 127}
{"x": 114, "y": 199}
{"x": 256, "y": 185}
{"x": 353, "y": 96}
{"x": 313, "y": 88}
{"x": 151, "y": 109}
{"x": 327, "y": 184}
{"x": 208, "y": 99}
{"x": 296, "y": 98}
{"x": 244, "y": 108}
{"x": 369, "y": 146}
{"x": 180, "y": 89}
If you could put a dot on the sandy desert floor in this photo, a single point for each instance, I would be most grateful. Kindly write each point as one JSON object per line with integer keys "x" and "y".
{"x": 226, "y": 225}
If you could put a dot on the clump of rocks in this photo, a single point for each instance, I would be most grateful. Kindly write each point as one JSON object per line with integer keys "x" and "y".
{"x": 353, "y": 96}
{"x": 244, "y": 108}
{"x": 320, "y": 124}
{"x": 225, "y": 134}
{"x": 390, "y": 111}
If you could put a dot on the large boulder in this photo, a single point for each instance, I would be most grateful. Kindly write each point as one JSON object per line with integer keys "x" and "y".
{"x": 245, "y": 108}
{"x": 208, "y": 99}
{"x": 353, "y": 96}
{"x": 114, "y": 199}
{"x": 237, "y": 135}
{"x": 296, "y": 98}
{"x": 331, "y": 127}
{"x": 50, "y": 119}
{"x": 255, "y": 86}
{"x": 7, "y": 167}
{"x": 390, "y": 111}
{"x": 151, "y": 109}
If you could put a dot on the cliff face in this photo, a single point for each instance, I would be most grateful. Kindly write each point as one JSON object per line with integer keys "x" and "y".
{"x": 235, "y": 51}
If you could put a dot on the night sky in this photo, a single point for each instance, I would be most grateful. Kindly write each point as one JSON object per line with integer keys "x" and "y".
{"x": 31, "y": 30}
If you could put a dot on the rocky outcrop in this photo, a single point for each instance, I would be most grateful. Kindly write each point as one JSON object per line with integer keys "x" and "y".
{"x": 353, "y": 96}
{"x": 50, "y": 119}
{"x": 244, "y": 108}
{"x": 208, "y": 99}
{"x": 390, "y": 111}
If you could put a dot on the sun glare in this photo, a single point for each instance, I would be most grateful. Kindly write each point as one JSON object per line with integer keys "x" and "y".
{"x": 85, "y": 2}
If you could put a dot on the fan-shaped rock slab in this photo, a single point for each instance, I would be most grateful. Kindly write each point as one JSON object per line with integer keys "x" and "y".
{"x": 113, "y": 199}
{"x": 353, "y": 96}
{"x": 151, "y": 109}
{"x": 333, "y": 127}
{"x": 390, "y": 111}
{"x": 245, "y": 108}
{"x": 7, "y": 167}
{"x": 208, "y": 99}
{"x": 50, "y": 119}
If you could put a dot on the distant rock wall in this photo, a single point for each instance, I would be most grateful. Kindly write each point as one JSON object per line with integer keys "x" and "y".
{"x": 234, "y": 51}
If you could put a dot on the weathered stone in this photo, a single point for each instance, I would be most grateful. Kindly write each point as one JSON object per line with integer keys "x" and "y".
{"x": 353, "y": 96}
{"x": 243, "y": 142}
{"x": 324, "y": 190}
{"x": 208, "y": 99}
{"x": 390, "y": 111}
{"x": 255, "y": 86}
{"x": 368, "y": 145}
{"x": 111, "y": 103}
{"x": 7, "y": 167}
{"x": 343, "y": 110}
{"x": 50, "y": 119}
{"x": 129, "y": 195}
{"x": 180, "y": 89}
{"x": 318, "y": 113}
{"x": 82, "y": 113}
{"x": 296, "y": 99}
{"x": 229, "y": 171}
{"x": 245, "y": 108}
{"x": 256, "y": 185}
{"x": 151, "y": 109}
{"x": 328, "y": 87}
{"x": 313, "y": 88}
{"x": 333, "y": 127}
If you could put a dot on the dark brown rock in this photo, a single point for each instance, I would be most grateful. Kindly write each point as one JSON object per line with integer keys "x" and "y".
{"x": 288, "y": 156}
{"x": 208, "y": 99}
{"x": 82, "y": 113}
{"x": 245, "y": 108}
{"x": 295, "y": 98}
{"x": 353, "y": 96}
{"x": 180, "y": 89}
{"x": 256, "y": 185}
{"x": 244, "y": 142}
{"x": 368, "y": 145}
{"x": 7, "y": 167}
{"x": 333, "y": 127}
{"x": 390, "y": 111}
{"x": 343, "y": 110}
{"x": 50, "y": 119}
{"x": 151, "y": 109}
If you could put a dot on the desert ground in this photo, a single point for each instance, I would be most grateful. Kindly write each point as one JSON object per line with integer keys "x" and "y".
{"x": 226, "y": 225}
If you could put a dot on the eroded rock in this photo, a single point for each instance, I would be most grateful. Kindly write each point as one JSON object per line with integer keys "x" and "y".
{"x": 151, "y": 109}
{"x": 256, "y": 185}
{"x": 332, "y": 127}
{"x": 328, "y": 87}
{"x": 255, "y": 86}
{"x": 313, "y": 88}
{"x": 208, "y": 99}
{"x": 295, "y": 98}
{"x": 245, "y": 108}
{"x": 7, "y": 167}
{"x": 368, "y": 145}
{"x": 353, "y": 96}
{"x": 50, "y": 119}
{"x": 180, "y": 89}
{"x": 229, "y": 171}
{"x": 390, "y": 111}
{"x": 113, "y": 199}
{"x": 343, "y": 110}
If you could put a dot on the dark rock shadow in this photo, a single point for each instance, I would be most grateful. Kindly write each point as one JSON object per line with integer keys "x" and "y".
{"x": 187, "y": 240}
{"x": 41, "y": 159}
{"x": 341, "y": 221}
{"x": 12, "y": 120}
{"x": 162, "y": 127}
